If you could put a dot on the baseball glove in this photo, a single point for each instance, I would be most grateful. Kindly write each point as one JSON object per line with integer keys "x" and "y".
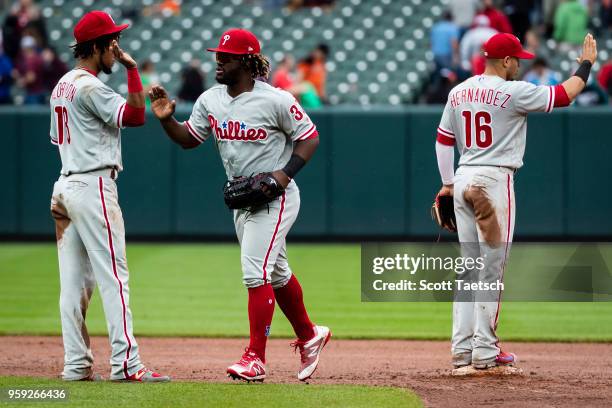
{"x": 443, "y": 212}
{"x": 246, "y": 192}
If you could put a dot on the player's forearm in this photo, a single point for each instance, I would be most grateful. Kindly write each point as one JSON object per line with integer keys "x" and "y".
{"x": 178, "y": 133}
{"x": 573, "y": 86}
{"x": 136, "y": 95}
{"x": 306, "y": 148}
{"x": 302, "y": 152}
{"x": 446, "y": 163}
{"x": 134, "y": 114}
{"x": 576, "y": 83}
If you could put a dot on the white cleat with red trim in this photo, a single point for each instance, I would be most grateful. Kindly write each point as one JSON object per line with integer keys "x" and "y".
{"x": 310, "y": 351}
{"x": 249, "y": 368}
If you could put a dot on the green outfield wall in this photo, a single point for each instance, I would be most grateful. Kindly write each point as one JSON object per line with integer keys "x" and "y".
{"x": 373, "y": 176}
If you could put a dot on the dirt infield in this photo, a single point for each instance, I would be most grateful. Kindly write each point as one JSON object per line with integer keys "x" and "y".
{"x": 556, "y": 375}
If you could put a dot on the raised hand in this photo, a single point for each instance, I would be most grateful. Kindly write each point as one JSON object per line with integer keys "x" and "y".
{"x": 161, "y": 105}
{"x": 589, "y": 50}
{"x": 123, "y": 57}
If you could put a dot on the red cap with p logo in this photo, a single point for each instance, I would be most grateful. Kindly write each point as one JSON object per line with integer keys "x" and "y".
{"x": 237, "y": 41}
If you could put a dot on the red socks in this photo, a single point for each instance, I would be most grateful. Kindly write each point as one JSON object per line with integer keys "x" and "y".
{"x": 261, "y": 309}
{"x": 291, "y": 301}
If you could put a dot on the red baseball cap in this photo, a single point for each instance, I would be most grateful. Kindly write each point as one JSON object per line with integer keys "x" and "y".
{"x": 96, "y": 24}
{"x": 237, "y": 41}
{"x": 503, "y": 45}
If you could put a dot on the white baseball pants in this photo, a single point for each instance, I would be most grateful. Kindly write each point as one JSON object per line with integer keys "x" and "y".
{"x": 261, "y": 234}
{"x": 485, "y": 211}
{"x": 91, "y": 250}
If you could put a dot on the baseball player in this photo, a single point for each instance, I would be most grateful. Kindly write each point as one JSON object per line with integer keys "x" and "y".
{"x": 86, "y": 121}
{"x": 257, "y": 128}
{"x": 486, "y": 117}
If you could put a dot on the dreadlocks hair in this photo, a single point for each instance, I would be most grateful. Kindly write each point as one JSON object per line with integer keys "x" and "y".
{"x": 86, "y": 49}
{"x": 257, "y": 64}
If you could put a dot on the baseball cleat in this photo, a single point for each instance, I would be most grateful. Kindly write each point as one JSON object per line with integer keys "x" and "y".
{"x": 249, "y": 368}
{"x": 90, "y": 377}
{"x": 462, "y": 359}
{"x": 310, "y": 351}
{"x": 502, "y": 359}
{"x": 507, "y": 359}
{"x": 146, "y": 375}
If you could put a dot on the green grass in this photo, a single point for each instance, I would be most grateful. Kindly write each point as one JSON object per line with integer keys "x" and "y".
{"x": 196, "y": 290}
{"x": 192, "y": 394}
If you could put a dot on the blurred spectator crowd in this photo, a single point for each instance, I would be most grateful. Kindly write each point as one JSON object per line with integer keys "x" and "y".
{"x": 26, "y": 59}
{"x": 457, "y": 39}
{"x": 306, "y": 79}
{"x": 30, "y": 67}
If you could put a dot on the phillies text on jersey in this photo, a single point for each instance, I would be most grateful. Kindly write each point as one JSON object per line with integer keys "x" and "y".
{"x": 254, "y": 131}
{"x": 235, "y": 130}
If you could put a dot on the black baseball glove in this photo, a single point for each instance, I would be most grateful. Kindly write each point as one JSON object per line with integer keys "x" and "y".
{"x": 443, "y": 212}
{"x": 246, "y": 192}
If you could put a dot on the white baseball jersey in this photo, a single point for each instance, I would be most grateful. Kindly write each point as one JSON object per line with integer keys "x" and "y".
{"x": 254, "y": 131}
{"x": 487, "y": 117}
{"x": 86, "y": 118}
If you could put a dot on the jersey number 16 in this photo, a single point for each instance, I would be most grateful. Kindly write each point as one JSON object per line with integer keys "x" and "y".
{"x": 482, "y": 127}
{"x": 62, "y": 125}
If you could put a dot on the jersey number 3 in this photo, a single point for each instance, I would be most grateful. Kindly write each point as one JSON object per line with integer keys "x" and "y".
{"x": 62, "y": 125}
{"x": 296, "y": 112}
{"x": 482, "y": 127}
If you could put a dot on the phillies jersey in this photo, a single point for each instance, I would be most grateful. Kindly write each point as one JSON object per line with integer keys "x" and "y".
{"x": 86, "y": 118}
{"x": 486, "y": 117}
{"x": 254, "y": 131}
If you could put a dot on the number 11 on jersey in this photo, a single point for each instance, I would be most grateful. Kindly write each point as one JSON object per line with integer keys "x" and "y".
{"x": 62, "y": 123}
